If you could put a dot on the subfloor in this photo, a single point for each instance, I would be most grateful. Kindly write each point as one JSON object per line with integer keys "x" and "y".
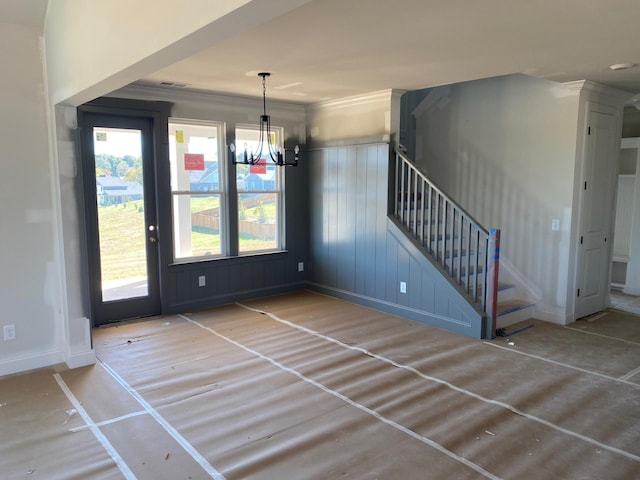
{"x": 304, "y": 386}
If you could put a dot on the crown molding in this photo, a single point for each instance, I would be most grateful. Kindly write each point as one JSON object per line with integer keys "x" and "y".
{"x": 147, "y": 92}
{"x": 597, "y": 89}
{"x": 356, "y": 100}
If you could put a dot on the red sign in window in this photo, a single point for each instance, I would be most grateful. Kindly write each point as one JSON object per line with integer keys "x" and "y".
{"x": 194, "y": 161}
{"x": 260, "y": 167}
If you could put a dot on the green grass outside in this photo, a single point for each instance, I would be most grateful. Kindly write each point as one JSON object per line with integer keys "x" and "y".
{"x": 122, "y": 237}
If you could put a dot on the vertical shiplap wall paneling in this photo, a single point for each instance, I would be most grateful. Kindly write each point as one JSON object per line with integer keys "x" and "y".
{"x": 371, "y": 240}
{"x": 357, "y": 255}
{"x": 347, "y": 204}
{"x": 317, "y": 212}
{"x": 360, "y": 235}
{"x": 353, "y": 205}
{"x": 332, "y": 211}
{"x": 379, "y": 198}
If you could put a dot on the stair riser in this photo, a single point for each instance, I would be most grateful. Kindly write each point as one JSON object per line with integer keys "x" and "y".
{"x": 503, "y": 321}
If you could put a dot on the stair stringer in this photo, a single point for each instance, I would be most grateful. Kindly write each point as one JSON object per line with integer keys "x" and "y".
{"x": 451, "y": 308}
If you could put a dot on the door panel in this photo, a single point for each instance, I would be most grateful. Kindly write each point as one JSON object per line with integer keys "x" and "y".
{"x": 595, "y": 219}
{"x": 120, "y": 209}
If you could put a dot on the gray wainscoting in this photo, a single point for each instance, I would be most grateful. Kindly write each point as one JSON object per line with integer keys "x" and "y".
{"x": 357, "y": 253}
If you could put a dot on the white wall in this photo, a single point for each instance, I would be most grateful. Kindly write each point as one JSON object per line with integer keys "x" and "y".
{"x": 372, "y": 117}
{"x": 30, "y": 292}
{"x": 96, "y": 46}
{"x": 505, "y": 149}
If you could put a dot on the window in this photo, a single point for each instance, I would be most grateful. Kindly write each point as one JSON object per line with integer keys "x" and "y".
{"x": 197, "y": 188}
{"x": 260, "y": 196}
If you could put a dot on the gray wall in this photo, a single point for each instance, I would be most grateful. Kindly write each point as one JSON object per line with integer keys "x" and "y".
{"x": 359, "y": 254}
{"x": 631, "y": 122}
{"x": 505, "y": 149}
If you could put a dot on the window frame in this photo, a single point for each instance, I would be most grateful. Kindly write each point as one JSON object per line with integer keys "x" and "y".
{"x": 222, "y": 192}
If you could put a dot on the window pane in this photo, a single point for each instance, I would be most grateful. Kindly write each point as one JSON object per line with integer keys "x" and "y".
{"x": 194, "y": 157}
{"x": 198, "y": 192}
{"x": 257, "y": 221}
{"x": 263, "y": 176}
{"x": 202, "y": 214}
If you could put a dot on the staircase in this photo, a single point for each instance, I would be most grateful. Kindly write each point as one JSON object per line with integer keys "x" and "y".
{"x": 511, "y": 308}
{"x": 465, "y": 251}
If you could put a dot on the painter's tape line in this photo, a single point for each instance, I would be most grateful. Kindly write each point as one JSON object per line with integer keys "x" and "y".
{"x": 346, "y": 399}
{"x": 630, "y": 342}
{"x": 572, "y": 367}
{"x": 115, "y": 456}
{"x": 110, "y": 421}
{"x": 632, "y": 373}
{"x": 213, "y": 473}
{"x": 462, "y": 390}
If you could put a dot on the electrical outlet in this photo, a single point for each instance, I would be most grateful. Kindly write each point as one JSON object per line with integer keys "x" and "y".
{"x": 555, "y": 225}
{"x": 9, "y": 332}
{"x": 403, "y": 287}
{"x": 301, "y": 266}
{"x": 202, "y": 281}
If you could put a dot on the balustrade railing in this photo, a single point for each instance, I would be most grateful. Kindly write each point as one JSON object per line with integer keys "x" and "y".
{"x": 465, "y": 250}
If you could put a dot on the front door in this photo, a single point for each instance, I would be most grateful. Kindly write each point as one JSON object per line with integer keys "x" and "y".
{"x": 118, "y": 174}
{"x": 594, "y": 252}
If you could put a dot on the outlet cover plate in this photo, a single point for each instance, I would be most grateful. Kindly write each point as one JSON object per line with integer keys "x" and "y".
{"x": 9, "y": 332}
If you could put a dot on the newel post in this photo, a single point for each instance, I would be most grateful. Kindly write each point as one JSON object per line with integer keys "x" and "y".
{"x": 493, "y": 253}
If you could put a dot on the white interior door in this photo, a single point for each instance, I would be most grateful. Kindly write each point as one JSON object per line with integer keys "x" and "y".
{"x": 594, "y": 249}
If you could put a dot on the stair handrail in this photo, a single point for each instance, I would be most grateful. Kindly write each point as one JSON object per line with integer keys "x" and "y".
{"x": 487, "y": 241}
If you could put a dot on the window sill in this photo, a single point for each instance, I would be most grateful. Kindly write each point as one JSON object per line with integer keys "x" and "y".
{"x": 247, "y": 256}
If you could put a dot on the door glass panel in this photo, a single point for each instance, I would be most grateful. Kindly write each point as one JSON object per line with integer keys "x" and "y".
{"x": 121, "y": 222}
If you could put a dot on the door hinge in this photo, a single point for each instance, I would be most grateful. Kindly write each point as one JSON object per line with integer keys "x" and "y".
{"x": 581, "y": 239}
{"x": 585, "y": 185}
{"x": 589, "y": 131}
{"x": 578, "y": 292}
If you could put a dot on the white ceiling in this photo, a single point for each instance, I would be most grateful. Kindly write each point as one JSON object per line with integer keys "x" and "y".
{"x": 336, "y": 48}
{"x": 330, "y": 49}
{"x": 24, "y": 12}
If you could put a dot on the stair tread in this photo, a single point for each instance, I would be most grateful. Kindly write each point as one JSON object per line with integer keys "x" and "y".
{"x": 514, "y": 305}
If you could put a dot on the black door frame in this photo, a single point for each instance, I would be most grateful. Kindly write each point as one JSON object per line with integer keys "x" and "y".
{"x": 152, "y": 117}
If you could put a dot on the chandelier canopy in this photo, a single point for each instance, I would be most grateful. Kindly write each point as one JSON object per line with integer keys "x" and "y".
{"x": 267, "y": 148}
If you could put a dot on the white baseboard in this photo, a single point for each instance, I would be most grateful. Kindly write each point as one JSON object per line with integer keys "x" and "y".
{"x": 551, "y": 314}
{"x": 81, "y": 359}
{"x": 24, "y": 363}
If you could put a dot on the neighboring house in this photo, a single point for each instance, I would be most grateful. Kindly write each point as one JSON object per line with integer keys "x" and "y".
{"x": 261, "y": 181}
{"x": 204, "y": 180}
{"x": 114, "y": 191}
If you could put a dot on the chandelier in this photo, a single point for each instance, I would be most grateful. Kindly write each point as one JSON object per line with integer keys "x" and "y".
{"x": 266, "y": 148}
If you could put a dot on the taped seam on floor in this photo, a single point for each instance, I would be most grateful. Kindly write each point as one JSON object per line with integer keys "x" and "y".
{"x": 164, "y": 424}
{"x": 632, "y": 373}
{"x": 110, "y": 421}
{"x": 572, "y": 367}
{"x": 604, "y": 336}
{"x": 115, "y": 456}
{"x": 346, "y": 399}
{"x": 511, "y": 408}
